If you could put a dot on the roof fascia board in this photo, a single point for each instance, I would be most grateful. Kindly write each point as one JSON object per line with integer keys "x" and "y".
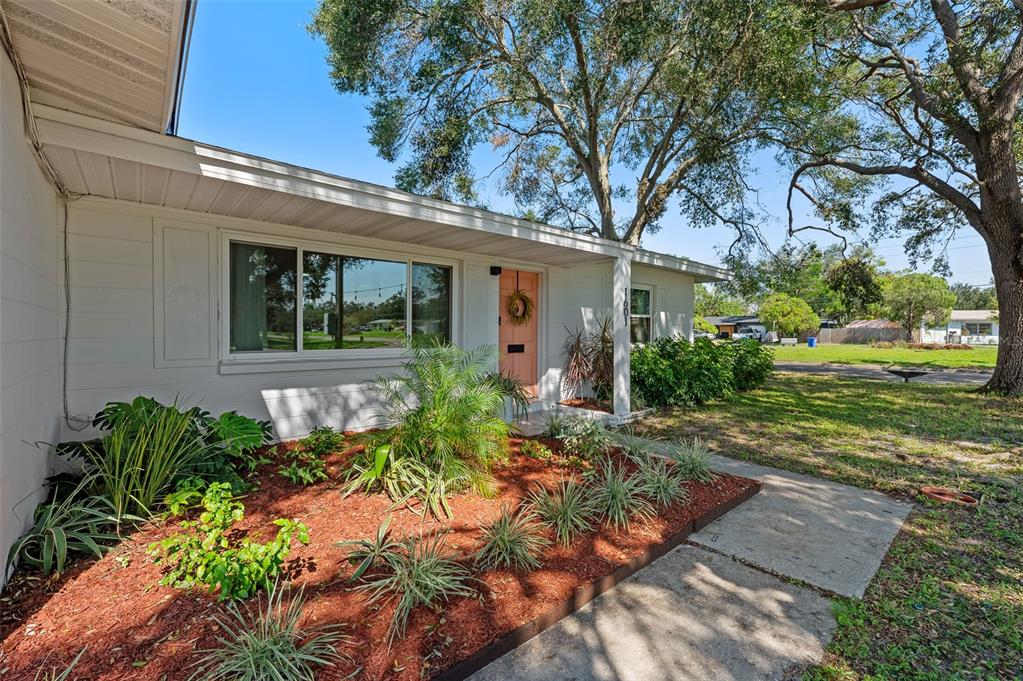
{"x": 67, "y": 129}
{"x": 177, "y": 62}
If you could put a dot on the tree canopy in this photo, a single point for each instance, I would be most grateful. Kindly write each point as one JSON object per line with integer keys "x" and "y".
{"x": 915, "y": 299}
{"x": 601, "y": 112}
{"x": 788, "y": 315}
{"x": 969, "y": 297}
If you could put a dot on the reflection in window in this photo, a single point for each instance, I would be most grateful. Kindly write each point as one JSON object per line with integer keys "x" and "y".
{"x": 431, "y": 303}
{"x": 263, "y": 298}
{"x": 640, "y": 315}
{"x": 352, "y": 302}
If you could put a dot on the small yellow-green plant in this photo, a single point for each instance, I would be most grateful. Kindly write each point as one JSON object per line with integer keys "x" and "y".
{"x": 535, "y": 449}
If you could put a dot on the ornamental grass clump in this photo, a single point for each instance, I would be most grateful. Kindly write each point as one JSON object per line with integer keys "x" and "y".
{"x": 513, "y": 540}
{"x": 269, "y": 644}
{"x": 662, "y": 483}
{"x": 442, "y": 429}
{"x": 417, "y": 574}
{"x": 618, "y": 497}
{"x": 567, "y": 509}
{"x": 692, "y": 459}
{"x": 365, "y": 553}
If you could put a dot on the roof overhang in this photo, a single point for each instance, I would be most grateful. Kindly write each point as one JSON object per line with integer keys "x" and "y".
{"x": 102, "y": 158}
{"x": 119, "y": 60}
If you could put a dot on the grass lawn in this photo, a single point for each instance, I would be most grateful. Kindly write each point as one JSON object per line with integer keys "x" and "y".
{"x": 948, "y": 601}
{"x": 979, "y": 357}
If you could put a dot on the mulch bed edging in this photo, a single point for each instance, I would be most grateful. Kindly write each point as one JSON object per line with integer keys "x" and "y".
{"x": 586, "y": 593}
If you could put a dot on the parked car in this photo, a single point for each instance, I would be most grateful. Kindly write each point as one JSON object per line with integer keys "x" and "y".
{"x": 704, "y": 334}
{"x": 754, "y": 331}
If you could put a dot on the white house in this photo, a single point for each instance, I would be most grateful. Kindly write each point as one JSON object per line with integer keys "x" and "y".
{"x": 970, "y": 327}
{"x": 188, "y": 268}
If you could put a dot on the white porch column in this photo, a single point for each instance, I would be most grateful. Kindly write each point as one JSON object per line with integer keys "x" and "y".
{"x": 621, "y": 282}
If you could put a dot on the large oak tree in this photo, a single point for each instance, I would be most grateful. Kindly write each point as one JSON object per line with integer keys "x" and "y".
{"x": 923, "y": 98}
{"x": 600, "y": 111}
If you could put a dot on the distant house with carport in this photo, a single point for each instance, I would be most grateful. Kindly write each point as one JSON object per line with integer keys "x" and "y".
{"x": 969, "y": 327}
{"x": 731, "y": 323}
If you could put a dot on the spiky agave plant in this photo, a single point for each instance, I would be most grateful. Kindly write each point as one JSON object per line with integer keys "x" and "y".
{"x": 269, "y": 644}
{"x": 513, "y": 540}
{"x": 567, "y": 509}
{"x": 442, "y": 428}
{"x": 618, "y": 496}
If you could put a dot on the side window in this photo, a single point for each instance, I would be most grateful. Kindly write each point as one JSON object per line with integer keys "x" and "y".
{"x": 641, "y": 315}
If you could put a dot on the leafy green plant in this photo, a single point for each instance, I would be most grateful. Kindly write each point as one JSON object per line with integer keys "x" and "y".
{"x": 367, "y": 553}
{"x": 535, "y": 449}
{"x": 269, "y": 644}
{"x": 586, "y": 437}
{"x": 206, "y": 553}
{"x": 662, "y": 484}
{"x": 187, "y": 493}
{"x": 618, "y": 497}
{"x": 568, "y": 509}
{"x": 304, "y": 470}
{"x": 513, "y": 540}
{"x": 443, "y": 430}
{"x": 74, "y": 524}
{"x": 418, "y": 575}
{"x": 752, "y": 363}
{"x": 638, "y": 449}
{"x": 555, "y": 424}
{"x": 692, "y": 459}
{"x": 672, "y": 372}
{"x": 513, "y": 388}
{"x": 321, "y": 442}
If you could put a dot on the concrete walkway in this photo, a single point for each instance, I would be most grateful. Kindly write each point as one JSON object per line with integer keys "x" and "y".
{"x": 697, "y": 614}
{"x": 877, "y": 372}
{"x": 830, "y": 535}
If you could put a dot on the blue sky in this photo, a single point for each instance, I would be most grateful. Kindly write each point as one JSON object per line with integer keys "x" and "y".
{"x": 257, "y": 82}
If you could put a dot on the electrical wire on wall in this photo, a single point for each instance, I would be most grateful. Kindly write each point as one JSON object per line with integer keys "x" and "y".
{"x": 66, "y": 196}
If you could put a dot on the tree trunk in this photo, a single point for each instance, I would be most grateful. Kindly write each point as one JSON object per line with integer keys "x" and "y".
{"x": 1008, "y": 374}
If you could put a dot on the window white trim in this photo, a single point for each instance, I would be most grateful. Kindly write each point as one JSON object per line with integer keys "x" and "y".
{"x": 244, "y": 362}
{"x": 649, "y": 317}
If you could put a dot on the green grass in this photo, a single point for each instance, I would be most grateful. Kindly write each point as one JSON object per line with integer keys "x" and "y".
{"x": 978, "y": 357}
{"x": 948, "y": 601}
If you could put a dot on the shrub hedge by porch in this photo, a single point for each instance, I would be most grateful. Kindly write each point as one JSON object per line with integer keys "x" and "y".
{"x": 674, "y": 372}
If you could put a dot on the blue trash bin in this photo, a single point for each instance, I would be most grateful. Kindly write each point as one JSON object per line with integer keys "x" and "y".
{"x": 811, "y": 342}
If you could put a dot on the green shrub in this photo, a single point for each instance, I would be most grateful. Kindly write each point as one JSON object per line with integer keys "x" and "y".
{"x": 206, "y": 553}
{"x": 692, "y": 459}
{"x": 535, "y": 449}
{"x": 322, "y": 441}
{"x": 304, "y": 471}
{"x": 73, "y": 524}
{"x": 513, "y": 541}
{"x": 618, "y": 497}
{"x": 567, "y": 510}
{"x": 418, "y": 575}
{"x": 187, "y": 493}
{"x": 583, "y": 436}
{"x": 752, "y": 363}
{"x": 269, "y": 644}
{"x": 443, "y": 429}
{"x": 672, "y": 372}
{"x": 661, "y": 482}
{"x": 368, "y": 553}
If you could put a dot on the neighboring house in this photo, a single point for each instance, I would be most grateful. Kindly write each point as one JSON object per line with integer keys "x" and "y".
{"x": 970, "y": 327}
{"x": 182, "y": 259}
{"x": 731, "y": 324}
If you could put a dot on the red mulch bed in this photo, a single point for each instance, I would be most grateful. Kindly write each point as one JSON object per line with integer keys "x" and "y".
{"x": 135, "y": 629}
{"x": 588, "y": 403}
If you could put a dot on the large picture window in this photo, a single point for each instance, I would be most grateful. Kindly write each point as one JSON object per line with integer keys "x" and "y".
{"x": 348, "y": 302}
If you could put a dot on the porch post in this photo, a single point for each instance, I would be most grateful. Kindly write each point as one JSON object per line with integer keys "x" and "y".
{"x": 621, "y": 281}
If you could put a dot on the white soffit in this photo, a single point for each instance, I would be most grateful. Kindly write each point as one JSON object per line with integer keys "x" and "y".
{"x": 119, "y": 60}
{"x": 114, "y": 161}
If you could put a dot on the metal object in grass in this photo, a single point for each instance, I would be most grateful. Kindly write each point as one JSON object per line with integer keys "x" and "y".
{"x": 906, "y": 374}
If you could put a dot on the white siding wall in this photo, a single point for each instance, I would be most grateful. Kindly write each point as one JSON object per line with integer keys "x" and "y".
{"x": 29, "y": 318}
{"x": 133, "y": 293}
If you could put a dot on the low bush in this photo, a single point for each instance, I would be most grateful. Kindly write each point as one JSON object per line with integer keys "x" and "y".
{"x": 269, "y": 644}
{"x": 322, "y": 441}
{"x": 207, "y": 552}
{"x": 585, "y": 437}
{"x": 618, "y": 497}
{"x": 306, "y": 465}
{"x": 692, "y": 459}
{"x": 567, "y": 510}
{"x": 662, "y": 483}
{"x": 673, "y": 372}
{"x": 419, "y": 574}
{"x": 535, "y": 449}
{"x": 513, "y": 540}
{"x": 901, "y": 344}
{"x": 443, "y": 430}
{"x": 70, "y": 525}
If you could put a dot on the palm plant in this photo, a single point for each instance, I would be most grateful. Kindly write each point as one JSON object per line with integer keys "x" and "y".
{"x": 692, "y": 459}
{"x": 589, "y": 357}
{"x": 661, "y": 482}
{"x": 442, "y": 431}
{"x": 419, "y": 575}
{"x": 269, "y": 644}
{"x": 514, "y": 389}
{"x": 567, "y": 509}
{"x": 73, "y": 524}
{"x": 512, "y": 540}
{"x": 618, "y": 497}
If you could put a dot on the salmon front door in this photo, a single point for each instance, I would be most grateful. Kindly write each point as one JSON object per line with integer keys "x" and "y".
{"x": 517, "y": 340}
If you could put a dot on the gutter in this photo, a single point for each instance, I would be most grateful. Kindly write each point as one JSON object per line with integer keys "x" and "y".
{"x": 179, "y": 67}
